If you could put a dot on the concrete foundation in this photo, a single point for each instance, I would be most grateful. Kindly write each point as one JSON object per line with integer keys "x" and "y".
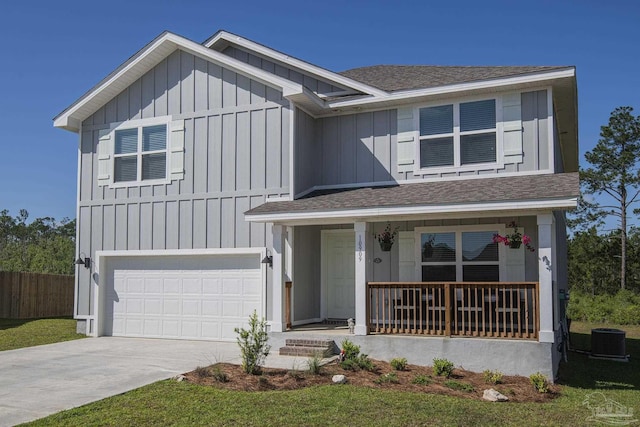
{"x": 511, "y": 357}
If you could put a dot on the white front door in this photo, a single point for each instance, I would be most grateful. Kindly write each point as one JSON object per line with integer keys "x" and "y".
{"x": 339, "y": 274}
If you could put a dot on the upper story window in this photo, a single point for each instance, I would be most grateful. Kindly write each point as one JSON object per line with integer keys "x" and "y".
{"x": 140, "y": 154}
{"x": 458, "y": 134}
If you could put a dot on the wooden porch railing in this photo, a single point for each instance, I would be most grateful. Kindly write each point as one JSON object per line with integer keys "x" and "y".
{"x": 472, "y": 309}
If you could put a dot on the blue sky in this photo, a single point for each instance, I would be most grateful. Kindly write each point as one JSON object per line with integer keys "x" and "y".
{"x": 55, "y": 51}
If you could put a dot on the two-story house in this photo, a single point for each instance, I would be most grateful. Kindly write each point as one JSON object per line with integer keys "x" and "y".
{"x": 220, "y": 178}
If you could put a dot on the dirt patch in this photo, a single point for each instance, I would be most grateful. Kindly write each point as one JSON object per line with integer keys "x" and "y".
{"x": 462, "y": 383}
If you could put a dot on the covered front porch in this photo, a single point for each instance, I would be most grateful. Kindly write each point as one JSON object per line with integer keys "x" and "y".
{"x": 443, "y": 280}
{"x": 468, "y": 286}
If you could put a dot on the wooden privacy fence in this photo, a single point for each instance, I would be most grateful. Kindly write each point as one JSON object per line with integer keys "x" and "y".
{"x": 34, "y": 295}
{"x": 476, "y": 309}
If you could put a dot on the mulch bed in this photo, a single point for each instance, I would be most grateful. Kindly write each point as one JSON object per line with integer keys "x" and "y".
{"x": 516, "y": 388}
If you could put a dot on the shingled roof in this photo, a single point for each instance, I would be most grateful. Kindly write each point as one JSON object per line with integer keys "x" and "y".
{"x": 404, "y": 77}
{"x": 438, "y": 193}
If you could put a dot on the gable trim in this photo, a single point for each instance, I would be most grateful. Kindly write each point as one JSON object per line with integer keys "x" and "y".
{"x": 294, "y": 62}
{"x": 148, "y": 57}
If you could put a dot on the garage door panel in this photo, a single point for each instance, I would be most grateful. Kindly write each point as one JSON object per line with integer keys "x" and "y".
{"x": 211, "y": 286}
{"x": 211, "y": 330}
{"x": 153, "y": 285}
{"x": 228, "y": 330}
{"x": 134, "y": 285}
{"x": 170, "y": 328}
{"x": 153, "y": 306}
{"x": 190, "y": 307}
{"x": 171, "y": 286}
{"x": 192, "y": 286}
{"x": 171, "y": 306}
{"x": 134, "y": 306}
{"x": 187, "y": 304}
{"x": 152, "y": 328}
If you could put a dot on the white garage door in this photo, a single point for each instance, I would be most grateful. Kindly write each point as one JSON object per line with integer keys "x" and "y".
{"x": 182, "y": 297}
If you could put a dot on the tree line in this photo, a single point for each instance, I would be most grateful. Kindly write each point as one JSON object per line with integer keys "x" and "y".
{"x": 604, "y": 246}
{"x": 43, "y": 245}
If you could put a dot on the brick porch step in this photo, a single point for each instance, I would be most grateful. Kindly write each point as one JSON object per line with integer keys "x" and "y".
{"x": 307, "y": 347}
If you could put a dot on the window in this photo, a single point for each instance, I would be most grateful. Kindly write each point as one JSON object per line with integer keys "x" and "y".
{"x": 140, "y": 154}
{"x": 458, "y": 134}
{"x": 469, "y": 256}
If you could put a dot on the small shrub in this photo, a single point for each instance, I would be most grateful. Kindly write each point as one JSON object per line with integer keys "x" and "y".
{"x": 492, "y": 377}
{"x": 351, "y": 351}
{"x": 422, "y": 380}
{"x": 365, "y": 363}
{"x": 353, "y": 360}
{"x": 349, "y": 365}
{"x": 390, "y": 378}
{"x": 442, "y": 367}
{"x": 399, "y": 363}
{"x": 315, "y": 364}
{"x": 253, "y": 344}
{"x": 219, "y": 375}
{"x": 539, "y": 382}
{"x": 457, "y": 385}
{"x": 202, "y": 371}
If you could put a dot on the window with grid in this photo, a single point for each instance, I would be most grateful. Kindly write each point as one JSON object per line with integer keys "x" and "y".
{"x": 140, "y": 154}
{"x": 467, "y": 256}
{"x": 458, "y": 134}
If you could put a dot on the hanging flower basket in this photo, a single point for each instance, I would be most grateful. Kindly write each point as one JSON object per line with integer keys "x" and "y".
{"x": 386, "y": 246}
{"x": 515, "y": 245}
{"x": 387, "y": 238}
{"x": 514, "y": 240}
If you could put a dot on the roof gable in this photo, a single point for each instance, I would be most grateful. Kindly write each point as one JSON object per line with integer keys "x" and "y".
{"x": 222, "y": 39}
{"x": 147, "y": 58}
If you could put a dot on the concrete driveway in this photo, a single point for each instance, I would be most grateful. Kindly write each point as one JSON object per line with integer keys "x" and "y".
{"x": 39, "y": 381}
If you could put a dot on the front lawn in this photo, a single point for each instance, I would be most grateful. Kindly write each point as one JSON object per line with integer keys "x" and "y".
{"x": 181, "y": 403}
{"x": 27, "y": 333}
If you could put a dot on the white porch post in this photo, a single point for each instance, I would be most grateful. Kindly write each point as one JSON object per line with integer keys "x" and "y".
{"x": 545, "y": 276}
{"x": 278, "y": 283}
{"x": 361, "y": 229}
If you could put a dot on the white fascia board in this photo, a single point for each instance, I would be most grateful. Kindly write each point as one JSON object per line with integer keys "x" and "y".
{"x": 456, "y": 88}
{"x": 145, "y": 60}
{"x": 526, "y": 205}
{"x": 310, "y": 68}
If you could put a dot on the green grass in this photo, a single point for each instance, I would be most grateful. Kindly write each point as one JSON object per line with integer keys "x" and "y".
{"x": 171, "y": 403}
{"x": 27, "y": 333}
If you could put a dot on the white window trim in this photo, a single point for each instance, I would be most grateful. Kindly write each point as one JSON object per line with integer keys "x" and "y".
{"x": 458, "y": 230}
{"x": 139, "y": 124}
{"x": 457, "y": 167}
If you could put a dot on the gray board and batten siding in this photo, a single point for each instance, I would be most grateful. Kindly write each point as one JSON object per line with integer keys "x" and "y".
{"x": 362, "y": 147}
{"x": 318, "y": 86}
{"x": 236, "y": 155}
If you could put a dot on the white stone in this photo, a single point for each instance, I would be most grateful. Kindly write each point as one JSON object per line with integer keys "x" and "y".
{"x": 494, "y": 396}
{"x": 179, "y": 378}
{"x": 339, "y": 379}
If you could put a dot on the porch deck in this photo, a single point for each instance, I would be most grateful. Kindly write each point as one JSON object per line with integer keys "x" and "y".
{"x": 470, "y": 309}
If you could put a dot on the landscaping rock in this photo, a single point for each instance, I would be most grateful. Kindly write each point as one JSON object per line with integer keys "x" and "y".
{"x": 179, "y": 378}
{"x": 339, "y": 379}
{"x": 494, "y": 396}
